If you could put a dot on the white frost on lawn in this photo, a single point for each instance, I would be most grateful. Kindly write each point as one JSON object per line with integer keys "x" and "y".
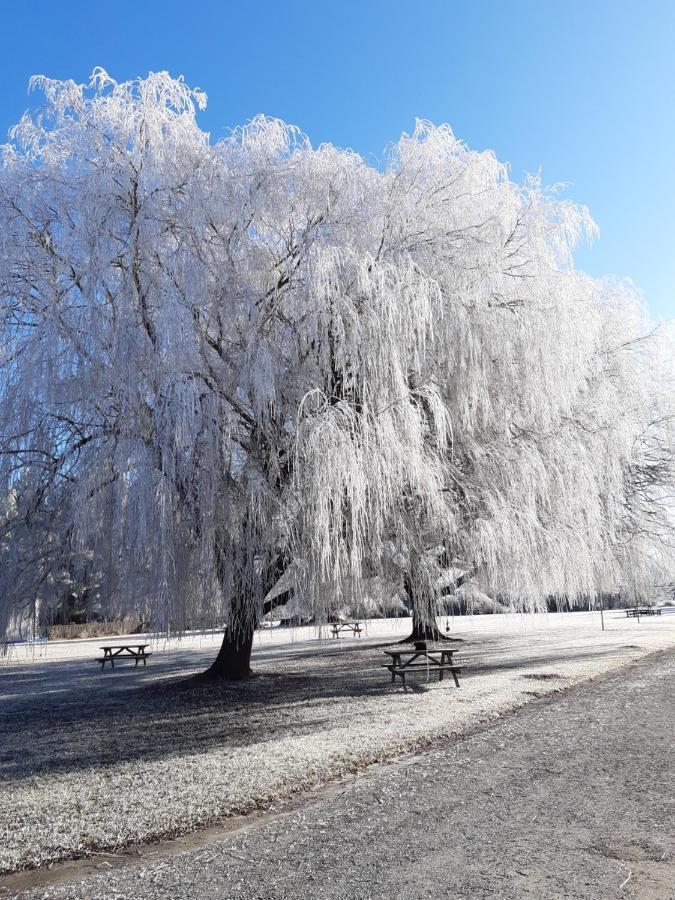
{"x": 88, "y": 761}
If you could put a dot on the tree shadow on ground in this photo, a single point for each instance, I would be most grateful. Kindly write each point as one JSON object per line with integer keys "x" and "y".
{"x": 62, "y": 717}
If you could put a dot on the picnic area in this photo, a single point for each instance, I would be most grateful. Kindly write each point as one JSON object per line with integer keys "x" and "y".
{"x": 172, "y": 757}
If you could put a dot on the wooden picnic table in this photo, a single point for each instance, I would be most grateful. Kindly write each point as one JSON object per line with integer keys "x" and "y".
{"x": 354, "y": 627}
{"x": 422, "y": 659}
{"x": 113, "y": 652}
{"x": 633, "y": 611}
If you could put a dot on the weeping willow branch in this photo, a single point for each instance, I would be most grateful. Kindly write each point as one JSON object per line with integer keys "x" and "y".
{"x": 218, "y": 358}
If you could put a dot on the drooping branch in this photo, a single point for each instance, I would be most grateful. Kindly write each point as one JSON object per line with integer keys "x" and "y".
{"x": 221, "y": 358}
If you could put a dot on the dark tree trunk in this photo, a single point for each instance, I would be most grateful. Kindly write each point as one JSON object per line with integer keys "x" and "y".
{"x": 424, "y": 626}
{"x": 233, "y": 662}
{"x": 423, "y": 630}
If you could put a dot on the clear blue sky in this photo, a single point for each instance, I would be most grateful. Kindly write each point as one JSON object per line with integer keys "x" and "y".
{"x": 584, "y": 89}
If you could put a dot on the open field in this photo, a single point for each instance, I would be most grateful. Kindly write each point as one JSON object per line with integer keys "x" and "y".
{"x": 92, "y": 760}
{"x": 557, "y": 800}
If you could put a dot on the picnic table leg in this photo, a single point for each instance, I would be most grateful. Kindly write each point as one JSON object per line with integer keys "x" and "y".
{"x": 454, "y": 675}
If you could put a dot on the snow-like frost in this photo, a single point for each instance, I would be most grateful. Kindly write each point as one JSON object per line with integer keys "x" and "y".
{"x": 78, "y": 744}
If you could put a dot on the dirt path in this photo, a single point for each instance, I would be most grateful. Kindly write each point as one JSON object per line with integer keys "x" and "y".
{"x": 570, "y": 798}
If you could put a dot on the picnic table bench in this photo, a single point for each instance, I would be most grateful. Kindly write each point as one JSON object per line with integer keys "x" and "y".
{"x": 642, "y": 611}
{"x": 422, "y": 659}
{"x": 354, "y": 627}
{"x": 123, "y": 651}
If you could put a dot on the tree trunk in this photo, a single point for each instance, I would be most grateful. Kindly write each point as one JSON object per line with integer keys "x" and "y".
{"x": 233, "y": 662}
{"x": 425, "y": 627}
{"x": 424, "y": 630}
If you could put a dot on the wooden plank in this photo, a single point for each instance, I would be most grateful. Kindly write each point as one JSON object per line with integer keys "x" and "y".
{"x": 421, "y": 667}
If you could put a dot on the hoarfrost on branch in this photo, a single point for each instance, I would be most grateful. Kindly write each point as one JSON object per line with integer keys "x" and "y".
{"x": 223, "y": 359}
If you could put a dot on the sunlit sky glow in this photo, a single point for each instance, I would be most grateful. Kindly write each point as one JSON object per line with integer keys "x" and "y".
{"x": 583, "y": 91}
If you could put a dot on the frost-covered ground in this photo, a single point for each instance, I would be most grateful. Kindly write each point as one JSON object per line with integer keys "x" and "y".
{"x": 92, "y": 760}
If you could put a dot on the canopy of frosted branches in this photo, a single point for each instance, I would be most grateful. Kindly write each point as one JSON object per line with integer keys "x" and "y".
{"x": 223, "y": 359}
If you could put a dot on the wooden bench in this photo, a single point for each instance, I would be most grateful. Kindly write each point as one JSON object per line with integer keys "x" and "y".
{"x": 123, "y": 651}
{"x": 422, "y": 659}
{"x": 354, "y": 627}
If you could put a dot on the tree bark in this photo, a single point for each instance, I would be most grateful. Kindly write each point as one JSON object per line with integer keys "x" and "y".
{"x": 233, "y": 662}
{"x": 424, "y": 630}
{"x": 425, "y": 627}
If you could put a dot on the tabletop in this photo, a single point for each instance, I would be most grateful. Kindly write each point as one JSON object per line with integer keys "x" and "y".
{"x": 124, "y": 646}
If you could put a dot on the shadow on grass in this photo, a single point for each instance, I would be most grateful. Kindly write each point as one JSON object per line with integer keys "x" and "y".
{"x": 63, "y": 717}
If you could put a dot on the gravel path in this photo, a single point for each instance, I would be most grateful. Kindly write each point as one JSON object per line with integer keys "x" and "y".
{"x": 570, "y": 797}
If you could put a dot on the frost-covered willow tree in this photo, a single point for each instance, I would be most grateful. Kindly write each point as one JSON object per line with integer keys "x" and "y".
{"x": 226, "y": 363}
